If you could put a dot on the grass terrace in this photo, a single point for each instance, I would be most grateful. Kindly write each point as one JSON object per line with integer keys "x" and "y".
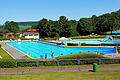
{"x": 82, "y": 75}
{"x": 4, "y": 54}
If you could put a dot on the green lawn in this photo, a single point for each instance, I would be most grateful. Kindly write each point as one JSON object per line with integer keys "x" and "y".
{"x": 23, "y": 27}
{"x": 4, "y": 54}
{"x": 82, "y": 75}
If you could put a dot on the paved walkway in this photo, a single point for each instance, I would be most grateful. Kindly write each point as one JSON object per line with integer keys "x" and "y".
{"x": 61, "y": 69}
{"x": 13, "y": 52}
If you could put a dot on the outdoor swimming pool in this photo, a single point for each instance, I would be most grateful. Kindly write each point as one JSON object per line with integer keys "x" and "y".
{"x": 38, "y": 49}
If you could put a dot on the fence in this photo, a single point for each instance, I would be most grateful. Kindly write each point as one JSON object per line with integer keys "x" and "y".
{"x": 61, "y": 62}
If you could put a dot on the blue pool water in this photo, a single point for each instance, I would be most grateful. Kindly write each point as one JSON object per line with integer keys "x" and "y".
{"x": 38, "y": 49}
{"x": 87, "y": 41}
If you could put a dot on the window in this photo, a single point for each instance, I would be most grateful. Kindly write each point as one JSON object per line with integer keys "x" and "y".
{"x": 35, "y": 34}
{"x": 30, "y": 34}
{"x": 25, "y": 34}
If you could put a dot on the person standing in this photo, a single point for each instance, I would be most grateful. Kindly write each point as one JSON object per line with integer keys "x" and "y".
{"x": 52, "y": 54}
{"x": 45, "y": 55}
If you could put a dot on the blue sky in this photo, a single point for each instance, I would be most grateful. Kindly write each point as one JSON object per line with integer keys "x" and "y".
{"x": 34, "y": 10}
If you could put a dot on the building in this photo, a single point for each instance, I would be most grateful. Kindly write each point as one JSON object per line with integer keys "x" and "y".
{"x": 34, "y": 35}
{"x": 11, "y": 34}
{"x": 31, "y": 33}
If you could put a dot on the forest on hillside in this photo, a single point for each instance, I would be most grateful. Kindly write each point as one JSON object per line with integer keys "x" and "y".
{"x": 85, "y": 26}
{"x": 29, "y": 23}
{"x": 68, "y": 28}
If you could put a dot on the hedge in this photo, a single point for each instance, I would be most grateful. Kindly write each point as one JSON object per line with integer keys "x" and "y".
{"x": 13, "y": 38}
{"x": 72, "y": 44}
{"x": 88, "y": 37}
{"x": 73, "y": 59}
{"x": 80, "y": 56}
{"x": 5, "y": 63}
{"x": 62, "y": 62}
{"x": 84, "y": 44}
{"x": 110, "y": 44}
{"x": 103, "y": 44}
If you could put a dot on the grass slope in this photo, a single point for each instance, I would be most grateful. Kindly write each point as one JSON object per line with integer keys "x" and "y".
{"x": 23, "y": 27}
{"x": 82, "y": 75}
{"x": 4, "y": 54}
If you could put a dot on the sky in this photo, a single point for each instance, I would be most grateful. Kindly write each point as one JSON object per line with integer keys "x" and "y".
{"x": 35, "y": 10}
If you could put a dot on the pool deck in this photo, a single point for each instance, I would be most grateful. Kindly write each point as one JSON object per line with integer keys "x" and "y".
{"x": 13, "y": 52}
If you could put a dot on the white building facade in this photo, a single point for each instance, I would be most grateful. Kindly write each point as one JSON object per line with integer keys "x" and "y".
{"x": 34, "y": 35}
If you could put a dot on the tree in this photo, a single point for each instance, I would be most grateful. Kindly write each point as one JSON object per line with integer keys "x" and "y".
{"x": 85, "y": 26}
{"x": 41, "y": 27}
{"x": 112, "y": 24}
{"x": 73, "y": 24}
{"x": 11, "y": 26}
{"x": 64, "y": 27}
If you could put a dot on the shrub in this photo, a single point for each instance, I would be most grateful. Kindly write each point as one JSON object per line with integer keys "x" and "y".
{"x": 80, "y": 56}
{"x": 84, "y": 44}
{"x": 72, "y": 44}
{"x": 103, "y": 44}
{"x": 110, "y": 61}
{"x": 110, "y": 44}
{"x": 26, "y": 63}
{"x": 88, "y": 37}
{"x": 0, "y": 45}
{"x": 4, "y": 63}
{"x": 13, "y": 38}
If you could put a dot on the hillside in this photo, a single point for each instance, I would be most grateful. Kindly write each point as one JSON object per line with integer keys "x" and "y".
{"x": 29, "y": 23}
{"x": 0, "y": 26}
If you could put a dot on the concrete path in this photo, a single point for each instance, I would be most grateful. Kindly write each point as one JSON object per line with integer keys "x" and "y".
{"x": 59, "y": 69}
{"x": 13, "y": 52}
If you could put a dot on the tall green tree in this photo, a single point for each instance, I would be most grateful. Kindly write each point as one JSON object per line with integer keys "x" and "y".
{"x": 11, "y": 26}
{"x": 41, "y": 27}
{"x": 64, "y": 27}
{"x": 73, "y": 24}
{"x": 85, "y": 26}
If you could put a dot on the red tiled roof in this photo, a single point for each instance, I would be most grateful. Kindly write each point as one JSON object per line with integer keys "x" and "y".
{"x": 9, "y": 33}
{"x": 31, "y": 30}
{"x": 17, "y": 33}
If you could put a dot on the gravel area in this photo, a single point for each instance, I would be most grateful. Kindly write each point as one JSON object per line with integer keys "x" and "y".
{"x": 59, "y": 69}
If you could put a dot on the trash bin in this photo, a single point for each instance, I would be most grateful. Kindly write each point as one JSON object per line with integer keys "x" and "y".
{"x": 95, "y": 67}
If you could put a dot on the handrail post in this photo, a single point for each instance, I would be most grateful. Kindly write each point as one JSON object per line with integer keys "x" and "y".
{"x": 99, "y": 60}
{"x": 15, "y": 63}
{"x": 78, "y": 61}
{"x": 37, "y": 63}
{"x": 58, "y": 62}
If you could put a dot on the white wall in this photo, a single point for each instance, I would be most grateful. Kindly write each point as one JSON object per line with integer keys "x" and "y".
{"x": 35, "y": 35}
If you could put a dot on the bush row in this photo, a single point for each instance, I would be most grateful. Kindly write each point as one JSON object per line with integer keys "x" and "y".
{"x": 72, "y": 44}
{"x": 36, "y": 63}
{"x": 5, "y": 63}
{"x": 103, "y": 44}
{"x": 88, "y": 37}
{"x": 13, "y": 38}
{"x": 80, "y": 56}
{"x": 48, "y": 38}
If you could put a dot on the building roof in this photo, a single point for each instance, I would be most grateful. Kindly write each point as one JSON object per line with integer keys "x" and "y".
{"x": 10, "y": 33}
{"x": 29, "y": 32}
{"x": 17, "y": 33}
